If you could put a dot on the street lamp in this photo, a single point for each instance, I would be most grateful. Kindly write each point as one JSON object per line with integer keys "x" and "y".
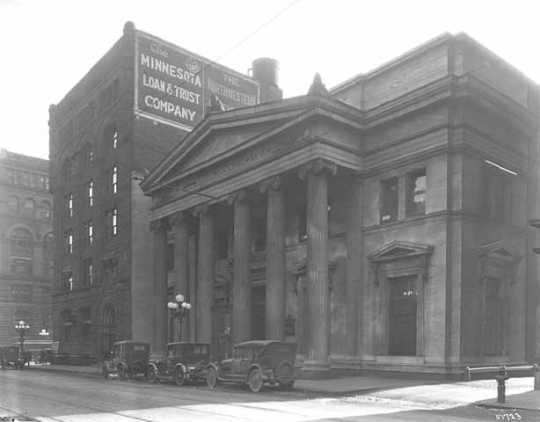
{"x": 179, "y": 310}
{"x": 22, "y": 327}
{"x": 44, "y": 332}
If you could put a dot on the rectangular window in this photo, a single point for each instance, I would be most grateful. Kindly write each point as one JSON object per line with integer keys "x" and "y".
{"x": 88, "y": 272}
{"x": 114, "y": 221}
{"x": 91, "y": 193}
{"x": 115, "y": 139}
{"x": 90, "y": 232}
{"x": 70, "y": 205}
{"x": 69, "y": 241}
{"x": 67, "y": 280}
{"x": 115, "y": 179}
{"x": 416, "y": 193}
{"x": 497, "y": 192}
{"x": 389, "y": 200}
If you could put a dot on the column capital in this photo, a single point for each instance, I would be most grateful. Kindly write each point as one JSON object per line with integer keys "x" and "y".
{"x": 201, "y": 209}
{"x": 317, "y": 166}
{"x": 238, "y": 196}
{"x": 274, "y": 183}
{"x": 158, "y": 225}
{"x": 177, "y": 219}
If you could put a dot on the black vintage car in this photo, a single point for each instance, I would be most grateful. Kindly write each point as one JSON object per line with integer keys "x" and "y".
{"x": 185, "y": 362}
{"x": 10, "y": 357}
{"x": 127, "y": 359}
{"x": 255, "y": 363}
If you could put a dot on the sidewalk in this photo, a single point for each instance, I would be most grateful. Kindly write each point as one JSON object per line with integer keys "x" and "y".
{"x": 524, "y": 401}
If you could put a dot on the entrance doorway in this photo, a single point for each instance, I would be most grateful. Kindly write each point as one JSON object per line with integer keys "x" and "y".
{"x": 402, "y": 318}
{"x": 258, "y": 312}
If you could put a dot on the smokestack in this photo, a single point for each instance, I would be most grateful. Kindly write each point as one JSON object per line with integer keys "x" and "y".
{"x": 265, "y": 71}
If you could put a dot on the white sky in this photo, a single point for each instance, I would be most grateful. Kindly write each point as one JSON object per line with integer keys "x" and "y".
{"x": 48, "y": 45}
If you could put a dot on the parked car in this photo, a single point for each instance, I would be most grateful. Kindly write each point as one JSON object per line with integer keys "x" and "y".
{"x": 185, "y": 362}
{"x": 127, "y": 359}
{"x": 255, "y": 363}
{"x": 10, "y": 357}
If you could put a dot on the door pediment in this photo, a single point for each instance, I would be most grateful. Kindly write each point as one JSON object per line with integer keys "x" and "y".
{"x": 400, "y": 250}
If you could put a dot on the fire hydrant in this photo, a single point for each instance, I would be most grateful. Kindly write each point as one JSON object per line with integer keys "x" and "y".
{"x": 501, "y": 377}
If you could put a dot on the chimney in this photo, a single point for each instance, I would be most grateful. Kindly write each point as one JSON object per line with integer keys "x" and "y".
{"x": 265, "y": 71}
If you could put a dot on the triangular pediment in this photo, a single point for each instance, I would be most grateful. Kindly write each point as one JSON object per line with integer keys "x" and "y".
{"x": 399, "y": 250}
{"x": 223, "y": 135}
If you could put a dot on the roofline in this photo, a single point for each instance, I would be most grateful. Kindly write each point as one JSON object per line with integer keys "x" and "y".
{"x": 407, "y": 55}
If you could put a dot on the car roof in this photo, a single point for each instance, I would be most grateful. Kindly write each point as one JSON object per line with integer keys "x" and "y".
{"x": 259, "y": 343}
{"x": 130, "y": 342}
{"x": 188, "y": 342}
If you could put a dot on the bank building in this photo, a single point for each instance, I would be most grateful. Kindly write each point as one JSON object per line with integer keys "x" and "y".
{"x": 381, "y": 225}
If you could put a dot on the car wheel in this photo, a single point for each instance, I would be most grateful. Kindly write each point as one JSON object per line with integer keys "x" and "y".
{"x": 180, "y": 376}
{"x": 211, "y": 378}
{"x": 285, "y": 375}
{"x": 152, "y": 376}
{"x": 255, "y": 380}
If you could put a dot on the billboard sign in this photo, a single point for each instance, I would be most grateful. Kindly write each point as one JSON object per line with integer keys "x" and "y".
{"x": 176, "y": 87}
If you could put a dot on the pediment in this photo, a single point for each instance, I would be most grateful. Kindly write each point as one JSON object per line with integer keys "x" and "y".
{"x": 400, "y": 250}
{"x": 498, "y": 252}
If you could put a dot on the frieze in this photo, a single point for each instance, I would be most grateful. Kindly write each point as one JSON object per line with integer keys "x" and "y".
{"x": 233, "y": 166}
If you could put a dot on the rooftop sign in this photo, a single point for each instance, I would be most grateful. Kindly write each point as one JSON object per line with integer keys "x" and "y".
{"x": 176, "y": 87}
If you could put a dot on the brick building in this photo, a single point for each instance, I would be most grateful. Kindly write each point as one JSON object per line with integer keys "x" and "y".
{"x": 382, "y": 225}
{"x": 26, "y": 248}
{"x": 118, "y": 122}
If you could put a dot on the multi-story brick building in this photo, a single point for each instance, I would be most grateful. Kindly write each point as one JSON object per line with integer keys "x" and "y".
{"x": 26, "y": 248}
{"x": 383, "y": 225}
{"x": 119, "y": 121}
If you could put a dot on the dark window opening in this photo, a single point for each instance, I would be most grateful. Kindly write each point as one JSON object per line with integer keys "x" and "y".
{"x": 389, "y": 200}
{"x": 416, "y": 192}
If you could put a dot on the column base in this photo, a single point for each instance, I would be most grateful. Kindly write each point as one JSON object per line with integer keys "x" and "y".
{"x": 315, "y": 369}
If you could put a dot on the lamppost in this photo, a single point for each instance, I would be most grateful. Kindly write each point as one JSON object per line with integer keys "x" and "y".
{"x": 22, "y": 327}
{"x": 179, "y": 310}
{"x": 44, "y": 332}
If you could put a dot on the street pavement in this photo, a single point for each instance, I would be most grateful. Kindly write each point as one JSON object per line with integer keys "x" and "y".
{"x": 52, "y": 396}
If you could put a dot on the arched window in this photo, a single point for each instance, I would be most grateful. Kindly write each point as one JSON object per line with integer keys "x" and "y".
{"x": 45, "y": 210}
{"x": 28, "y": 208}
{"x": 13, "y": 204}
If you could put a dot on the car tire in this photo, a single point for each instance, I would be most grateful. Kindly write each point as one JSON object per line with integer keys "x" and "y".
{"x": 211, "y": 378}
{"x": 151, "y": 375}
{"x": 285, "y": 375}
{"x": 180, "y": 376}
{"x": 255, "y": 380}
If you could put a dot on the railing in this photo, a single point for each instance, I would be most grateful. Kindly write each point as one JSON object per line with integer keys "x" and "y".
{"x": 502, "y": 373}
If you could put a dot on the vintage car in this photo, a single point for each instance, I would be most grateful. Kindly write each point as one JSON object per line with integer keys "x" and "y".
{"x": 127, "y": 359}
{"x": 185, "y": 362}
{"x": 10, "y": 357}
{"x": 255, "y": 363}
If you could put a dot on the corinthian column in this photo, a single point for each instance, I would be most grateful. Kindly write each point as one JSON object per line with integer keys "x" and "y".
{"x": 241, "y": 312}
{"x": 275, "y": 260}
{"x": 159, "y": 338}
{"x": 317, "y": 266}
{"x": 179, "y": 224}
{"x": 205, "y": 275}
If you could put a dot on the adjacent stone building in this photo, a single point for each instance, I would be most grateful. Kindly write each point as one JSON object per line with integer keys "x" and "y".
{"x": 381, "y": 225}
{"x": 118, "y": 122}
{"x": 26, "y": 249}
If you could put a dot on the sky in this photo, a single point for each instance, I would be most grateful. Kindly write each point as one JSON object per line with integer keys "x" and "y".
{"x": 49, "y": 45}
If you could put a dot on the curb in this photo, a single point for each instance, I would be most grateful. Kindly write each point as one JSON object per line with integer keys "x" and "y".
{"x": 504, "y": 406}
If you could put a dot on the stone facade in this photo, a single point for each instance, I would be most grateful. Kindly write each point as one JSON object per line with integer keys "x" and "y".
{"x": 100, "y": 147}
{"x": 26, "y": 248}
{"x": 381, "y": 226}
